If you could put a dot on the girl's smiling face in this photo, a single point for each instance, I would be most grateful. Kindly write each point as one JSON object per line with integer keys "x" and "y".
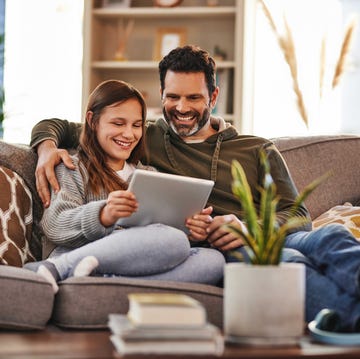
{"x": 119, "y": 131}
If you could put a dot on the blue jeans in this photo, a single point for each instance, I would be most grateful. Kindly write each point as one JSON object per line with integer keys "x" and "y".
{"x": 155, "y": 252}
{"x": 332, "y": 259}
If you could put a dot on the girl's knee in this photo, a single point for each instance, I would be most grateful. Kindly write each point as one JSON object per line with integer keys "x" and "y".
{"x": 209, "y": 257}
{"x": 209, "y": 265}
{"x": 217, "y": 257}
{"x": 172, "y": 242}
{"x": 168, "y": 233}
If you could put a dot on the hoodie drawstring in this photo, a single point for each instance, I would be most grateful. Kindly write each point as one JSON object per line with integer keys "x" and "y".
{"x": 169, "y": 151}
{"x": 214, "y": 161}
{"x": 215, "y": 158}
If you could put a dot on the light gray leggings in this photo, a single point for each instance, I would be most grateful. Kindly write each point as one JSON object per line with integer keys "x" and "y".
{"x": 155, "y": 251}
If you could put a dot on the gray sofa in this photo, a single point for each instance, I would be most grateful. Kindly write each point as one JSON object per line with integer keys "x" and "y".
{"x": 27, "y": 301}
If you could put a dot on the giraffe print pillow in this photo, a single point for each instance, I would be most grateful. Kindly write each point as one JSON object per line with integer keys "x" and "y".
{"x": 346, "y": 214}
{"x": 15, "y": 219}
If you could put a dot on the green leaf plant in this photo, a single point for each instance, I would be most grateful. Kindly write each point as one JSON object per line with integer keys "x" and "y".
{"x": 263, "y": 237}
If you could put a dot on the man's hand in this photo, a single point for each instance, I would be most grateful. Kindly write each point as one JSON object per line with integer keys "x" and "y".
{"x": 219, "y": 237}
{"x": 48, "y": 157}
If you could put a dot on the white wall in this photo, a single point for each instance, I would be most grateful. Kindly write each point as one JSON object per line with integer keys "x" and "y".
{"x": 351, "y": 85}
{"x": 274, "y": 101}
{"x": 43, "y": 64}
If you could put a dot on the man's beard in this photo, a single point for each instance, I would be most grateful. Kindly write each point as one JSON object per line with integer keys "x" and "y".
{"x": 184, "y": 130}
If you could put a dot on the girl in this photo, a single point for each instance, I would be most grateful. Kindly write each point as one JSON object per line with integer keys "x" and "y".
{"x": 80, "y": 225}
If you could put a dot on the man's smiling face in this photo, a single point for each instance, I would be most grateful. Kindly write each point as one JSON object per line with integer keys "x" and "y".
{"x": 186, "y": 102}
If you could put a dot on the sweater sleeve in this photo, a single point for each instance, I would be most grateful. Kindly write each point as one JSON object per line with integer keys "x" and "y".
{"x": 286, "y": 189}
{"x": 70, "y": 220}
{"x": 64, "y": 133}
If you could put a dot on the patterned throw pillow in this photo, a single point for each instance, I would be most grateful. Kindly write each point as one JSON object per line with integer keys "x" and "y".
{"x": 346, "y": 214}
{"x": 16, "y": 219}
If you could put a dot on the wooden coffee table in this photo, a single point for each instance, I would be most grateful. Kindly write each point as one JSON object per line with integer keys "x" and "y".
{"x": 89, "y": 344}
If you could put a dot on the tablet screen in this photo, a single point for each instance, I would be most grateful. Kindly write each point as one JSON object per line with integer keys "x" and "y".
{"x": 166, "y": 198}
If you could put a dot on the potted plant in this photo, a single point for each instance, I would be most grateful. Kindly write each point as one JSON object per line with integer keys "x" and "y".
{"x": 264, "y": 300}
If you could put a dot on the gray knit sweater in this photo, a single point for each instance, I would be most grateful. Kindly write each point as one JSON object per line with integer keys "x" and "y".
{"x": 73, "y": 218}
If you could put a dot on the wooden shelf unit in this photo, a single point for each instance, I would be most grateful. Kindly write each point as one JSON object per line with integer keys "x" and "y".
{"x": 206, "y": 26}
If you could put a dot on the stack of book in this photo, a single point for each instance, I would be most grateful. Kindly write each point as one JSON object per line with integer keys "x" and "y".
{"x": 162, "y": 323}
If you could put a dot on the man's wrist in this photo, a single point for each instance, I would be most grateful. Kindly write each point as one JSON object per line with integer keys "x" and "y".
{"x": 45, "y": 146}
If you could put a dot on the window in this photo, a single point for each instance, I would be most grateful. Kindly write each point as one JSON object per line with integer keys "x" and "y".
{"x": 275, "y": 108}
{"x": 43, "y": 64}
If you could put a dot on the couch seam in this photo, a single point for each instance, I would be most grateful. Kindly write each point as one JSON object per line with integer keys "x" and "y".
{"x": 218, "y": 295}
{"x": 318, "y": 141}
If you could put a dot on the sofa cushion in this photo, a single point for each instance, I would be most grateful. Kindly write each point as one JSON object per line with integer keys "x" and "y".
{"x": 310, "y": 157}
{"x": 86, "y": 302}
{"x": 22, "y": 160}
{"x": 26, "y": 299}
{"x": 345, "y": 214}
{"x": 16, "y": 219}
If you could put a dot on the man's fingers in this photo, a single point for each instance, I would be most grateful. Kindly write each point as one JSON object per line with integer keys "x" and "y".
{"x": 48, "y": 157}
{"x": 227, "y": 242}
{"x": 218, "y": 222}
{"x": 215, "y": 235}
{"x": 43, "y": 189}
{"x": 52, "y": 180}
{"x": 232, "y": 245}
{"x": 65, "y": 157}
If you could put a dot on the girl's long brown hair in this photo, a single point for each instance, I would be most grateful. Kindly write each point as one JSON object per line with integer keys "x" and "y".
{"x": 101, "y": 176}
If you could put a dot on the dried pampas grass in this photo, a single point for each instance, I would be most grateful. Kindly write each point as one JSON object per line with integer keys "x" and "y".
{"x": 344, "y": 52}
{"x": 286, "y": 43}
{"x": 322, "y": 66}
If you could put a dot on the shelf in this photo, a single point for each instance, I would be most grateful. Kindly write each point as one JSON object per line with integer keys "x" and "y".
{"x": 150, "y": 65}
{"x": 205, "y": 26}
{"x": 143, "y": 12}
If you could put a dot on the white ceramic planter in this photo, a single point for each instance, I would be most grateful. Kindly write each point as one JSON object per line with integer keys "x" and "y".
{"x": 264, "y": 305}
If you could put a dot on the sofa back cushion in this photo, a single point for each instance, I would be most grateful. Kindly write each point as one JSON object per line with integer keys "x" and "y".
{"x": 16, "y": 218}
{"x": 310, "y": 157}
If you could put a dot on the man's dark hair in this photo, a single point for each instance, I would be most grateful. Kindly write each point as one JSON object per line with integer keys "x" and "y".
{"x": 189, "y": 58}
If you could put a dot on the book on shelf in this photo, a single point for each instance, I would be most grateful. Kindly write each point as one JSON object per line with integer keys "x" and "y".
{"x": 224, "y": 79}
{"x": 165, "y": 309}
{"x": 129, "y": 338}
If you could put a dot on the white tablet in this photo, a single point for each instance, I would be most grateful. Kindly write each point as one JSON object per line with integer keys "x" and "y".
{"x": 166, "y": 198}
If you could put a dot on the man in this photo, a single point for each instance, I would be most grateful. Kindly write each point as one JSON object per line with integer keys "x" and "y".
{"x": 188, "y": 141}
